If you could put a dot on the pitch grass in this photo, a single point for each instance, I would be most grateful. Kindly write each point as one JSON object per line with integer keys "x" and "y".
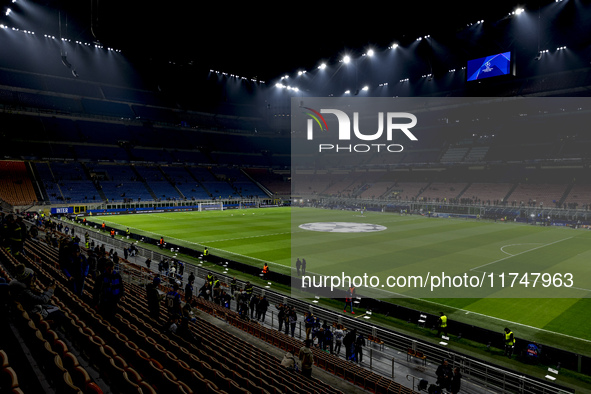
{"x": 410, "y": 245}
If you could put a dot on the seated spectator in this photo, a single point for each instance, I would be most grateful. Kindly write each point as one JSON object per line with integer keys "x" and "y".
{"x": 289, "y": 361}
{"x": 172, "y": 324}
{"x": 22, "y": 289}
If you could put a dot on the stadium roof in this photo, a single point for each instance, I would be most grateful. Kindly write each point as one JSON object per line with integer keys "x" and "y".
{"x": 264, "y": 42}
{"x": 267, "y": 40}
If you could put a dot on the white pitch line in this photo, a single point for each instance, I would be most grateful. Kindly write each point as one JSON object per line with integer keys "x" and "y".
{"x": 525, "y": 251}
{"x": 481, "y": 314}
{"x": 198, "y": 244}
{"x": 253, "y": 236}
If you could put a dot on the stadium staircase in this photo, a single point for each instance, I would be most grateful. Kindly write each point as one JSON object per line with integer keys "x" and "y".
{"x": 565, "y": 194}
{"x": 144, "y": 182}
{"x": 464, "y": 190}
{"x": 165, "y": 175}
{"x": 99, "y": 190}
{"x": 34, "y": 177}
{"x": 132, "y": 354}
{"x": 257, "y": 183}
{"x": 515, "y": 186}
{"x": 198, "y": 181}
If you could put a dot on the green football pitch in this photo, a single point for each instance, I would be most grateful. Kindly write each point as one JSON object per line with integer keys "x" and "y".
{"x": 550, "y": 304}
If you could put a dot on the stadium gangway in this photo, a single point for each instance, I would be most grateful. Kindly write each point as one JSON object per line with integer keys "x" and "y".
{"x": 477, "y": 371}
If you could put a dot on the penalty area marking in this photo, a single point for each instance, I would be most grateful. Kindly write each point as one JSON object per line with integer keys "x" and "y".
{"x": 513, "y": 255}
{"x": 506, "y": 246}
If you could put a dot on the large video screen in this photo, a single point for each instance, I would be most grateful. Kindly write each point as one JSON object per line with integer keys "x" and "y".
{"x": 489, "y": 66}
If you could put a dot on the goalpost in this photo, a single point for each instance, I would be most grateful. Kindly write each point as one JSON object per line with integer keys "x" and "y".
{"x": 211, "y": 206}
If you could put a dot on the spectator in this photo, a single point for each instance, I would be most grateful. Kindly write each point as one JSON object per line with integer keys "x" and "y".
{"x": 22, "y": 289}
{"x": 328, "y": 341}
{"x": 243, "y": 311}
{"x": 254, "y": 301}
{"x": 359, "y": 344}
{"x": 306, "y": 359}
{"x": 262, "y": 307}
{"x": 456, "y": 381}
{"x": 225, "y": 299}
{"x": 289, "y": 361}
{"x": 349, "y": 342}
{"x": 189, "y": 292}
{"x": 183, "y": 329}
{"x": 443, "y": 374}
{"x": 108, "y": 290}
{"x": 293, "y": 319}
{"x": 309, "y": 323}
{"x": 280, "y": 315}
{"x": 320, "y": 338}
{"x": 154, "y": 297}
{"x": 338, "y": 336}
{"x": 76, "y": 270}
{"x": 92, "y": 263}
{"x": 173, "y": 300}
{"x": 172, "y": 324}
{"x": 205, "y": 291}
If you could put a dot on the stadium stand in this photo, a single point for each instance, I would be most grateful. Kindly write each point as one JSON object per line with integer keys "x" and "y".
{"x": 150, "y": 360}
{"x": 16, "y": 187}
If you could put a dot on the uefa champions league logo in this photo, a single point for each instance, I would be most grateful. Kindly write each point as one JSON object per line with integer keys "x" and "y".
{"x": 342, "y": 227}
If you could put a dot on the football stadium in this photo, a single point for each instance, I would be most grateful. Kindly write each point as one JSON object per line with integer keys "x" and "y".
{"x": 197, "y": 200}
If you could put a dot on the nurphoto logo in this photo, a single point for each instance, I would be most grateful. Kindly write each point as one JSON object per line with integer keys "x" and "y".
{"x": 391, "y": 120}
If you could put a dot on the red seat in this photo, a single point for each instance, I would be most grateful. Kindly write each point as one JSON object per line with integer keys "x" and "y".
{"x": 9, "y": 378}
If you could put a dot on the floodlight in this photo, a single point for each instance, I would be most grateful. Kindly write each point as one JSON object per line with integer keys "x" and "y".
{"x": 346, "y": 59}
{"x": 370, "y": 52}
